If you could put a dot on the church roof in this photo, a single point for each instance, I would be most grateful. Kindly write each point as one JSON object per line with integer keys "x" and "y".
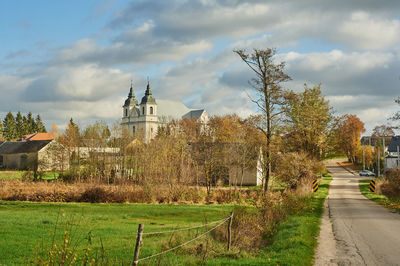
{"x": 131, "y": 100}
{"x": 194, "y": 114}
{"x": 148, "y": 96}
{"x": 169, "y": 109}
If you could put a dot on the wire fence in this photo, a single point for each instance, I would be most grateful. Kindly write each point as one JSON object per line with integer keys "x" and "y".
{"x": 141, "y": 233}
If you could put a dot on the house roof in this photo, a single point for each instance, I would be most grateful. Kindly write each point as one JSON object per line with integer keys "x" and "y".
{"x": 12, "y": 147}
{"x": 394, "y": 143}
{"x": 38, "y": 136}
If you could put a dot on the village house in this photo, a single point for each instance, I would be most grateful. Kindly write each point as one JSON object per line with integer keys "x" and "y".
{"x": 36, "y": 155}
{"x": 393, "y": 157}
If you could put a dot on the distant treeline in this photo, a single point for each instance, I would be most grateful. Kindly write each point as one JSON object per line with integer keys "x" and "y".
{"x": 15, "y": 127}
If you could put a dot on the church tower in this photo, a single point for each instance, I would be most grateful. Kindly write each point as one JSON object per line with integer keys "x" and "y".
{"x": 130, "y": 103}
{"x": 148, "y": 114}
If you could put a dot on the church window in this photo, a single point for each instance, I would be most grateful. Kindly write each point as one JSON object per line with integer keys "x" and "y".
{"x": 126, "y": 112}
{"x": 143, "y": 110}
{"x": 151, "y": 110}
{"x": 134, "y": 129}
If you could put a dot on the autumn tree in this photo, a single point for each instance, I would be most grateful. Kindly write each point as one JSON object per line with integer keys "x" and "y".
{"x": 349, "y": 131}
{"x": 382, "y": 131}
{"x": 267, "y": 84}
{"x": 308, "y": 117}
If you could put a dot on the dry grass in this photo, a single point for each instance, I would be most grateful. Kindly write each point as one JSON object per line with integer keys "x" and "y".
{"x": 57, "y": 191}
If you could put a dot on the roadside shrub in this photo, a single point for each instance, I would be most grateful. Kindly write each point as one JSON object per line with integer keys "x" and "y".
{"x": 294, "y": 168}
{"x": 391, "y": 187}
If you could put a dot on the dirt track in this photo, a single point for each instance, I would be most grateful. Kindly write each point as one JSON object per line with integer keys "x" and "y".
{"x": 355, "y": 230}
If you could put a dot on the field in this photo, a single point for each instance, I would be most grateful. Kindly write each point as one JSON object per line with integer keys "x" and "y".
{"x": 107, "y": 233}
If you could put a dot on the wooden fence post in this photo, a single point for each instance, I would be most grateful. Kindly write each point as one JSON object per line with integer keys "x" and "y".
{"x": 138, "y": 244}
{"x": 229, "y": 230}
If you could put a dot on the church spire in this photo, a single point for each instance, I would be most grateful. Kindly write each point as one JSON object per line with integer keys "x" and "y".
{"x": 131, "y": 97}
{"x": 148, "y": 96}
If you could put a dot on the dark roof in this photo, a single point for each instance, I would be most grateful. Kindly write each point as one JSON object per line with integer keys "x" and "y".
{"x": 11, "y": 147}
{"x": 373, "y": 140}
{"x": 194, "y": 114}
{"x": 394, "y": 143}
{"x": 131, "y": 98}
{"x": 148, "y": 96}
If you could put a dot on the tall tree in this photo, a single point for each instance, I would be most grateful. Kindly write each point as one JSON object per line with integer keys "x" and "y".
{"x": 9, "y": 130}
{"x": 19, "y": 126}
{"x": 267, "y": 84}
{"x": 308, "y": 118}
{"x": 31, "y": 125}
{"x": 1, "y": 131}
{"x": 382, "y": 131}
{"x": 54, "y": 131}
{"x": 25, "y": 126}
{"x": 349, "y": 132}
{"x": 39, "y": 125}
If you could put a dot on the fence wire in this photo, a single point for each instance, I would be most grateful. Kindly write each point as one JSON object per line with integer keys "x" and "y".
{"x": 187, "y": 242}
{"x": 183, "y": 229}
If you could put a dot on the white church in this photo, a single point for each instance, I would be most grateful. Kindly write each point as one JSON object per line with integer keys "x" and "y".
{"x": 145, "y": 118}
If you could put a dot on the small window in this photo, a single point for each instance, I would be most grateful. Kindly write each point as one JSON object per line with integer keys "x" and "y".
{"x": 143, "y": 110}
{"x": 134, "y": 129}
{"x": 126, "y": 112}
{"x": 1, "y": 160}
{"x": 151, "y": 110}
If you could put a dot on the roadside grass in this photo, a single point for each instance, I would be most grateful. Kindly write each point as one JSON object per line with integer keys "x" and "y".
{"x": 380, "y": 199}
{"x": 296, "y": 238}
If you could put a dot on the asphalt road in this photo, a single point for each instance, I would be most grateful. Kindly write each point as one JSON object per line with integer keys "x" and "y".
{"x": 355, "y": 230}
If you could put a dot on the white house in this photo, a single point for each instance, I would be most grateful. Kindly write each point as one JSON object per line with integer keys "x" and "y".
{"x": 393, "y": 157}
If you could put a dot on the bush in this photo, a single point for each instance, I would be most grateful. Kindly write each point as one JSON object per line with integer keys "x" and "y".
{"x": 295, "y": 168}
{"x": 391, "y": 188}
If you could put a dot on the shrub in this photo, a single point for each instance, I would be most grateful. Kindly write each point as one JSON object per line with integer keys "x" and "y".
{"x": 391, "y": 188}
{"x": 295, "y": 168}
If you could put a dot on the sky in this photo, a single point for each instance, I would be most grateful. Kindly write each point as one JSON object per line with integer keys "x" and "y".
{"x": 76, "y": 58}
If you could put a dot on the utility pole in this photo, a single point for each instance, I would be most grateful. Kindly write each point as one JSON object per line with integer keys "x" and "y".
{"x": 398, "y": 157}
{"x": 383, "y": 153}
{"x": 363, "y": 158}
{"x": 378, "y": 162}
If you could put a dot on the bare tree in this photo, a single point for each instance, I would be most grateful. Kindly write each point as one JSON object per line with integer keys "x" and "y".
{"x": 269, "y": 76}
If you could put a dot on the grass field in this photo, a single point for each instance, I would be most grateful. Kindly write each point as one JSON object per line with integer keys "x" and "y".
{"x": 27, "y": 228}
{"x": 380, "y": 199}
{"x": 11, "y": 174}
{"x": 14, "y": 174}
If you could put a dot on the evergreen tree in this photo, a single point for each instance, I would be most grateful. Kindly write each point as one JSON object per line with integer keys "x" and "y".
{"x": 31, "y": 125}
{"x": 9, "y": 130}
{"x": 39, "y": 125}
{"x": 19, "y": 126}
{"x": 1, "y": 131}
{"x": 25, "y": 126}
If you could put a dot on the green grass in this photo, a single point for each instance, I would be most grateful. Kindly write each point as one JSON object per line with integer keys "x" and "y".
{"x": 24, "y": 226}
{"x": 29, "y": 227}
{"x": 380, "y": 199}
{"x": 296, "y": 240}
{"x": 16, "y": 174}
{"x": 5, "y": 174}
